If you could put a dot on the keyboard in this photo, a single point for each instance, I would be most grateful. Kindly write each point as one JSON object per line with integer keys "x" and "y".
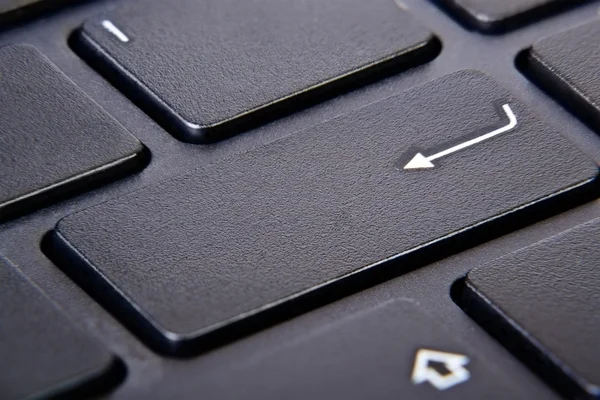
{"x": 332, "y": 199}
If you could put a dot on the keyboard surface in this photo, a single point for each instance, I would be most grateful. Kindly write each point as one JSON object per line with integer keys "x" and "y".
{"x": 42, "y": 352}
{"x": 299, "y": 199}
{"x": 271, "y": 56}
{"x": 540, "y": 300}
{"x": 346, "y": 180}
{"x": 55, "y": 139}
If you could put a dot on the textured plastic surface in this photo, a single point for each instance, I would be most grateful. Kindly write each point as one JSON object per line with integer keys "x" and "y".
{"x": 43, "y": 354}
{"x": 151, "y": 375}
{"x": 332, "y": 363}
{"x": 206, "y": 69}
{"x": 54, "y": 139}
{"x": 196, "y": 253}
{"x": 567, "y": 65}
{"x": 502, "y": 15}
{"x": 546, "y": 298}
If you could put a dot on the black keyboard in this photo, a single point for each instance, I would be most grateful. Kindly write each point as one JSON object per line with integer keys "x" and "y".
{"x": 330, "y": 199}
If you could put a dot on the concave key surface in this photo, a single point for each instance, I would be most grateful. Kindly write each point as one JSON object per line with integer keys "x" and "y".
{"x": 567, "y": 66}
{"x": 543, "y": 302}
{"x": 395, "y": 350}
{"x": 42, "y": 353}
{"x": 503, "y": 15}
{"x": 54, "y": 140}
{"x": 228, "y": 247}
{"x": 208, "y": 69}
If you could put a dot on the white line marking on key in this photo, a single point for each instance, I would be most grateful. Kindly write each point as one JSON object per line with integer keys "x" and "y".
{"x": 419, "y": 161}
{"x": 109, "y": 26}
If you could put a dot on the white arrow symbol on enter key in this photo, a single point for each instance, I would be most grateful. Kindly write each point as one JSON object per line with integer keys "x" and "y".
{"x": 454, "y": 363}
{"x": 419, "y": 161}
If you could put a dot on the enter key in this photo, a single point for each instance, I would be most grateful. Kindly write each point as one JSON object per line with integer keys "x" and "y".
{"x": 225, "y": 249}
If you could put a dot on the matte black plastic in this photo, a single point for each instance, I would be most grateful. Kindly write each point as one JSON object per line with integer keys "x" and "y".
{"x": 43, "y": 354}
{"x": 567, "y": 66}
{"x": 496, "y": 16}
{"x": 153, "y": 376}
{"x": 333, "y": 363}
{"x": 216, "y": 248}
{"x": 208, "y": 69}
{"x": 54, "y": 139}
{"x": 542, "y": 302}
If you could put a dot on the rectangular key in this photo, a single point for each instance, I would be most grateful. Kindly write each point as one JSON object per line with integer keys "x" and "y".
{"x": 223, "y": 248}
{"x": 208, "y": 69}
{"x": 43, "y": 354}
{"x": 392, "y": 351}
{"x": 543, "y": 302}
{"x": 567, "y": 66}
{"x": 503, "y": 15}
{"x": 54, "y": 140}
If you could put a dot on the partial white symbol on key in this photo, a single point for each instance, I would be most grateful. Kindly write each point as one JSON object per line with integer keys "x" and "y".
{"x": 420, "y": 161}
{"x": 454, "y": 363}
{"x": 112, "y": 28}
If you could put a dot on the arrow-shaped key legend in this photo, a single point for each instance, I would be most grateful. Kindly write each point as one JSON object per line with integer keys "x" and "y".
{"x": 419, "y": 161}
{"x": 454, "y": 363}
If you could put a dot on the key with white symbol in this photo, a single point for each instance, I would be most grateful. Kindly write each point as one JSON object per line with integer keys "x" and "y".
{"x": 331, "y": 204}
{"x": 419, "y": 161}
{"x": 395, "y": 351}
{"x": 184, "y": 88}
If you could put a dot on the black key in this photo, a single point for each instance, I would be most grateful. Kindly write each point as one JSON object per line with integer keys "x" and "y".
{"x": 54, "y": 140}
{"x": 207, "y": 69}
{"x": 503, "y": 15}
{"x": 405, "y": 353}
{"x": 223, "y": 248}
{"x": 43, "y": 354}
{"x": 567, "y": 65}
{"x": 542, "y": 302}
{"x": 12, "y": 11}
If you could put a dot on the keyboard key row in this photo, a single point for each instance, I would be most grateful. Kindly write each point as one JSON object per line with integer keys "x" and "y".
{"x": 49, "y": 151}
{"x": 413, "y": 353}
{"x": 57, "y": 141}
{"x": 209, "y": 254}
{"x": 221, "y": 249}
